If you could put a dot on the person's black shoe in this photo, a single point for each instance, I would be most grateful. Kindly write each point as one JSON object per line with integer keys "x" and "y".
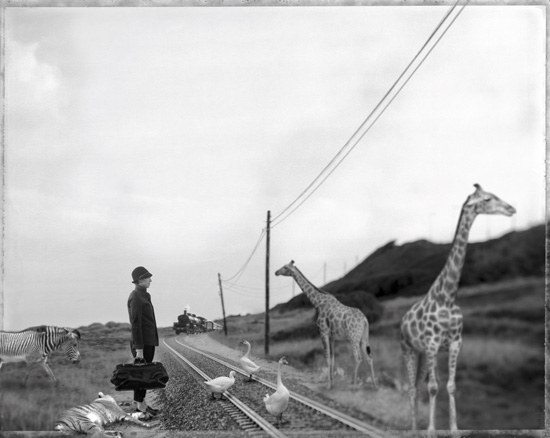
{"x": 152, "y": 411}
{"x": 144, "y": 416}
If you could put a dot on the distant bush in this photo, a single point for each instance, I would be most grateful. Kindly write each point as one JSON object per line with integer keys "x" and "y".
{"x": 118, "y": 325}
{"x": 504, "y": 328}
{"x": 111, "y": 336}
{"x": 307, "y": 331}
{"x": 528, "y": 315}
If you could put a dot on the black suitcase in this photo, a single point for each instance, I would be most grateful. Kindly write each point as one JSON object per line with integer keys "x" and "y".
{"x": 130, "y": 376}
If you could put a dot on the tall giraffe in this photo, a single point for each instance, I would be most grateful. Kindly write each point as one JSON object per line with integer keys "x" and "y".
{"x": 435, "y": 322}
{"x": 335, "y": 321}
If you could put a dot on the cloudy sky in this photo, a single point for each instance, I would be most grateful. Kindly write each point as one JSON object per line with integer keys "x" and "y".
{"x": 161, "y": 137}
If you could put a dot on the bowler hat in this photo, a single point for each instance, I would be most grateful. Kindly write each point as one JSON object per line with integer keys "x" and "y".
{"x": 139, "y": 274}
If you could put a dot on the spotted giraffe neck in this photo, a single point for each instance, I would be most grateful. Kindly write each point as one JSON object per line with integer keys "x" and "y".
{"x": 446, "y": 284}
{"x": 313, "y": 293}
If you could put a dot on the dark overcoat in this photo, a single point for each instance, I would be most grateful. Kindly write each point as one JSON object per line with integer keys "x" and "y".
{"x": 142, "y": 318}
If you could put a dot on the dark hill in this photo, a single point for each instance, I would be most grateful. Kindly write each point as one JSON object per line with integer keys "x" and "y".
{"x": 411, "y": 268}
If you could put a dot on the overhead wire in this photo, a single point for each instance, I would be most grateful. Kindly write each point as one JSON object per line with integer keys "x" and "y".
{"x": 238, "y": 285}
{"x": 243, "y": 293}
{"x": 244, "y": 266}
{"x": 275, "y": 220}
{"x": 279, "y": 291}
{"x": 244, "y": 288}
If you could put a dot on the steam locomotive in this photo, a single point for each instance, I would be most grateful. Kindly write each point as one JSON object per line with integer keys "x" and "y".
{"x": 190, "y": 324}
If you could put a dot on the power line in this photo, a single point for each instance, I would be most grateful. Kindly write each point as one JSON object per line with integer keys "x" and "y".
{"x": 244, "y": 294}
{"x": 245, "y": 288}
{"x": 358, "y": 130}
{"x": 275, "y": 221}
{"x": 242, "y": 269}
{"x": 240, "y": 286}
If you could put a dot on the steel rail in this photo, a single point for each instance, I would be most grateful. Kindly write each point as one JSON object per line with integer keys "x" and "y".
{"x": 256, "y": 418}
{"x": 326, "y": 410}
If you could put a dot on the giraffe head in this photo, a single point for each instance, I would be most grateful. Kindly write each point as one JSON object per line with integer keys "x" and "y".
{"x": 483, "y": 202}
{"x": 286, "y": 270}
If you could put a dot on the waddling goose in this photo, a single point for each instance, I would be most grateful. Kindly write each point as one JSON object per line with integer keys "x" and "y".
{"x": 246, "y": 364}
{"x": 221, "y": 384}
{"x": 277, "y": 402}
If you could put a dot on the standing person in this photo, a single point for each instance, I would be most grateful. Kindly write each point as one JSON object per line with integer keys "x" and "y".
{"x": 144, "y": 328}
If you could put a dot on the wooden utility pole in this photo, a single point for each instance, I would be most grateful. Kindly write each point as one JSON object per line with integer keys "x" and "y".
{"x": 266, "y": 341}
{"x": 3, "y": 137}
{"x": 223, "y": 307}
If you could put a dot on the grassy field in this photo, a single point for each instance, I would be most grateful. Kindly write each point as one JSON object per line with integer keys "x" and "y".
{"x": 36, "y": 406}
{"x": 500, "y": 376}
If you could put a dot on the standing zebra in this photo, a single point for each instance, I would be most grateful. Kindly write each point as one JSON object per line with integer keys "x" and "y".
{"x": 34, "y": 344}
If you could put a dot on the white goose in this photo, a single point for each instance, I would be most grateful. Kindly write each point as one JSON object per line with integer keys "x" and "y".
{"x": 220, "y": 384}
{"x": 246, "y": 364}
{"x": 277, "y": 402}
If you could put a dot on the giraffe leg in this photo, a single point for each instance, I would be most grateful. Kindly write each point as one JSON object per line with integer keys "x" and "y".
{"x": 358, "y": 359}
{"x": 431, "y": 363}
{"x": 422, "y": 372}
{"x": 364, "y": 347}
{"x": 326, "y": 345}
{"x": 454, "y": 349}
{"x": 410, "y": 358}
{"x": 371, "y": 364}
{"x": 332, "y": 357}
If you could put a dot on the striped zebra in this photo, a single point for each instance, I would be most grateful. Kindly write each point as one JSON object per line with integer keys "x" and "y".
{"x": 34, "y": 344}
{"x": 91, "y": 419}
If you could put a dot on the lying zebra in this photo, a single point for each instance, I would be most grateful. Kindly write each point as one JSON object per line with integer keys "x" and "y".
{"x": 34, "y": 344}
{"x": 90, "y": 419}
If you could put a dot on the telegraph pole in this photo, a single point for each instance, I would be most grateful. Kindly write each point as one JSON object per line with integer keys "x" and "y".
{"x": 266, "y": 341}
{"x": 223, "y": 307}
{"x": 2, "y": 163}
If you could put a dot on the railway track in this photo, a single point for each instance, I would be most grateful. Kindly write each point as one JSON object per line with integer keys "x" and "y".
{"x": 247, "y": 407}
